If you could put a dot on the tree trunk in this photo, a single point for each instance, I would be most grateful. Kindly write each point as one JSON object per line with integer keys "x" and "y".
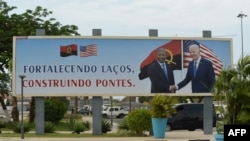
{"x": 76, "y": 105}
{"x": 15, "y": 112}
{"x": 32, "y": 110}
{"x": 6, "y": 113}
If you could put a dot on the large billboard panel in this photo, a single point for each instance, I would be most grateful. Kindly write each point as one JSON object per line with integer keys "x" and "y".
{"x": 99, "y": 66}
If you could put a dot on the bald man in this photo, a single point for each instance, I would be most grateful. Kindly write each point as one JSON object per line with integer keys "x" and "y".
{"x": 161, "y": 74}
{"x": 200, "y": 72}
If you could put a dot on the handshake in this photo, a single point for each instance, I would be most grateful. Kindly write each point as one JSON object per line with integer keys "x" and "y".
{"x": 173, "y": 88}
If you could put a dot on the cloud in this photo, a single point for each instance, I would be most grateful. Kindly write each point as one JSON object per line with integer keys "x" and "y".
{"x": 135, "y": 17}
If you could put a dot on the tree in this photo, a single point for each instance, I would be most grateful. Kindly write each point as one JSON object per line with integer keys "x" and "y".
{"x": 232, "y": 88}
{"x": 55, "y": 109}
{"x": 25, "y": 24}
{"x": 4, "y": 90}
{"x": 143, "y": 99}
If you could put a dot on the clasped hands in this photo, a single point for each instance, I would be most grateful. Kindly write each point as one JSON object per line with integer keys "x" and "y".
{"x": 173, "y": 88}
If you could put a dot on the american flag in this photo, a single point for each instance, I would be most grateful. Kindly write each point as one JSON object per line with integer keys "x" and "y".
{"x": 88, "y": 50}
{"x": 205, "y": 53}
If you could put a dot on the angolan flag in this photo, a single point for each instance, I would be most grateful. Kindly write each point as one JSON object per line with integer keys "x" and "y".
{"x": 205, "y": 52}
{"x": 173, "y": 49}
{"x": 68, "y": 50}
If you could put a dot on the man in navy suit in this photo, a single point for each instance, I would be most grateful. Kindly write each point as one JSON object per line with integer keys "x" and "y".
{"x": 200, "y": 72}
{"x": 161, "y": 74}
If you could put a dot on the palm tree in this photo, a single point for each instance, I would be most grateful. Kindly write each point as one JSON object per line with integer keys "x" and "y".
{"x": 232, "y": 87}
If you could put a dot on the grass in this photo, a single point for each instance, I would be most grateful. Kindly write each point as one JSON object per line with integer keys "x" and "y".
{"x": 61, "y": 130}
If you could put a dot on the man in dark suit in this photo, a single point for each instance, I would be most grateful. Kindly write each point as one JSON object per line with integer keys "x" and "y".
{"x": 161, "y": 74}
{"x": 200, "y": 72}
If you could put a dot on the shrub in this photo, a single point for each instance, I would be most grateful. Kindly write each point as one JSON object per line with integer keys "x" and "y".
{"x": 86, "y": 124}
{"x": 71, "y": 122}
{"x": 49, "y": 127}
{"x": 162, "y": 106}
{"x": 106, "y": 126}
{"x": 17, "y": 127}
{"x": 2, "y": 125}
{"x": 139, "y": 120}
{"x": 122, "y": 124}
{"x": 78, "y": 127}
{"x": 54, "y": 110}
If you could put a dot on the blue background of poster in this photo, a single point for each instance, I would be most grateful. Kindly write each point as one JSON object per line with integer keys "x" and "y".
{"x": 118, "y": 58}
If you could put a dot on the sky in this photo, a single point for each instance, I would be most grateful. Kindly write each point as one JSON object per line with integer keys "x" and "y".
{"x": 172, "y": 18}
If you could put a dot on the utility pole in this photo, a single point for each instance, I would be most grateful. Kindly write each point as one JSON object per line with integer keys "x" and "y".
{"x": 241, "y": 16}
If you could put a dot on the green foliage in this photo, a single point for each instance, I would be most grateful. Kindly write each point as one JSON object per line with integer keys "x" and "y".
{"x": 54, "y": 109}
{"x": 86, "y": 124}
{"x": 25, "y": 24}
{"x": 2, "y": 125}
{"x": 143, "y": 99}
{"x": 106, "y": 126}
{"x": 78, "y": 127}
{"x": 71, "y": 122}
{"x": 123, "y": 125}
{"x": 4, "y": 82}
{"x": 49, "y": 127}
{"x": 232, "y": 89}
{"x": 75, "y": 116}
{"x": 126, "y": 133}
{"x": 162, "y": 106}
{"x": 139, "y": 120}
{"x": 220, "y": 127}
{"x": 17, "y": 127}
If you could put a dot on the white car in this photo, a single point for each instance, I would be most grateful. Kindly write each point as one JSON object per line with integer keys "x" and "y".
{"x": 116, "y": 111}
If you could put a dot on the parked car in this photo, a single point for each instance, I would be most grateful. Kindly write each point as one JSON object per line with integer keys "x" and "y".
{"x": 84, "y": 111}
{"x": 116, "y": 111}
{"x": 188, "y": 116}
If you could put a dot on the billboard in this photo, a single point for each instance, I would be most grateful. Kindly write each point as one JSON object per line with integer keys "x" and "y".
{"x": 99, "y": 66}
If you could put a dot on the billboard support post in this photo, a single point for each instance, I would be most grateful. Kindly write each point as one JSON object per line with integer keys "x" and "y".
{"x": 39, "y": 102}
{"x": 153, "y": 33}
{"x": 97, "y": 103}
{"x": 206, "y": 34}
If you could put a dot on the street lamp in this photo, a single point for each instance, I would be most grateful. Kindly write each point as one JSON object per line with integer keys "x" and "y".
{"x": 22, "y": 126}
{"x": 241, "y": 16}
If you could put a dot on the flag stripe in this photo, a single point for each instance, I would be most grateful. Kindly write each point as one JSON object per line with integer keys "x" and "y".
{"x": 68, "y": 50}
{"x": 89, "y": 50}
{"x": 205, "y": 53}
